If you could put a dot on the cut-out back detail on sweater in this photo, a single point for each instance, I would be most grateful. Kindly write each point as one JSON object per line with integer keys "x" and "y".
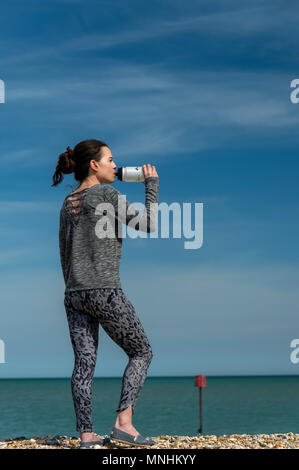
{"x": 74, "y": 204}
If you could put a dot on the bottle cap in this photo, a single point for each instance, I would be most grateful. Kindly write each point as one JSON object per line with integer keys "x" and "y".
{"x": 119, "y": 173}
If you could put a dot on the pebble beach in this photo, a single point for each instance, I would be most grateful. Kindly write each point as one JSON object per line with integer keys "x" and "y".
{"x": 233, "y": 441}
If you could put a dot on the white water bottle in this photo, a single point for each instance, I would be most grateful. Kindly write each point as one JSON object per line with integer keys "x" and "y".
{"x": 130, "y": 173}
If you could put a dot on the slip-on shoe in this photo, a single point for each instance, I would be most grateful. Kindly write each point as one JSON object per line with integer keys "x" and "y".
{"x": 119, "y": 436}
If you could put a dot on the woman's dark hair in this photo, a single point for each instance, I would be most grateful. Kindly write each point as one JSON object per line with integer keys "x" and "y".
{"x": 78, "y": 159}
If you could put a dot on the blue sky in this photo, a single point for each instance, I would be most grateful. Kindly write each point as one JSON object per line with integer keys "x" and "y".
{"x": 199, "y": 89}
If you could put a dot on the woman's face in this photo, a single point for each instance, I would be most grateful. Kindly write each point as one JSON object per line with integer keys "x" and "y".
{"x": 106, "y": 167}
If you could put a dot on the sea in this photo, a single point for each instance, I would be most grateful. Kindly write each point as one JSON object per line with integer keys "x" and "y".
{"x": 165, "y": 406}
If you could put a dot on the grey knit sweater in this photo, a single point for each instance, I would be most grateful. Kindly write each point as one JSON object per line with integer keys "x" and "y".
{"x": 89, "y": 260}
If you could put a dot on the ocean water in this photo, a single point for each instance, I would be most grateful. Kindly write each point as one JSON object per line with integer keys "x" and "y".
{"x": 166, "y": 405}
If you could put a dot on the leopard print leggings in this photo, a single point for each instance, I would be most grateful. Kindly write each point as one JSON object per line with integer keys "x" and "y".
{"x": 110, "y": 307}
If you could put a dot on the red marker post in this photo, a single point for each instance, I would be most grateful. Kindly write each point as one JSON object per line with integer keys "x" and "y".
{"x": 200, "y": 381}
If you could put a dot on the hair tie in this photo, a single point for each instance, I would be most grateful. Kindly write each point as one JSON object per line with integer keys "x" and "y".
{"x": 69, "y": 152}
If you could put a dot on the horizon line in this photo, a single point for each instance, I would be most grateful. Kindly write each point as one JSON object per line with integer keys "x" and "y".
{"x": 153, "y": 377}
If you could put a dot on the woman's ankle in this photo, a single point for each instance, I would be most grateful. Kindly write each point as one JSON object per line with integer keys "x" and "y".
{"x": 123, "y": 422}
{"x": 124, "y": 417}
{"x": 88, "y": 436}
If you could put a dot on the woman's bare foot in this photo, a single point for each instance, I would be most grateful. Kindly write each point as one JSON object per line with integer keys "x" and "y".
{"x": 124, "y": 421}
{"x": 89, "y": 436}
{"x": 127, "y": 428}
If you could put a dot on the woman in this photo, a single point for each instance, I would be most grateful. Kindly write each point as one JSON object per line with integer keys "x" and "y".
{"x": 93, "y": 292}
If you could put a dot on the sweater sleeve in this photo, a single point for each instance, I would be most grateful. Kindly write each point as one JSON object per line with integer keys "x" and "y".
{"x": 125, "y": 212}
{"x": 62, "y": 244}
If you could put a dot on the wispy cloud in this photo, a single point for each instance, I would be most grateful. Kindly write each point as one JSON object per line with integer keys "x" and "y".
{"x": 236, "y": 21}
{"x": 156, "y": 112}
{"x": 26, "y": 206}
{"x": 8, "y": 256}
{"x": 159, "y": 110}
{"x": 23, "y": 158}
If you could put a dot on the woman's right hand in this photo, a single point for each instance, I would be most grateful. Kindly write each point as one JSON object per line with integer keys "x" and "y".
{"x": 149, "y": 170}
